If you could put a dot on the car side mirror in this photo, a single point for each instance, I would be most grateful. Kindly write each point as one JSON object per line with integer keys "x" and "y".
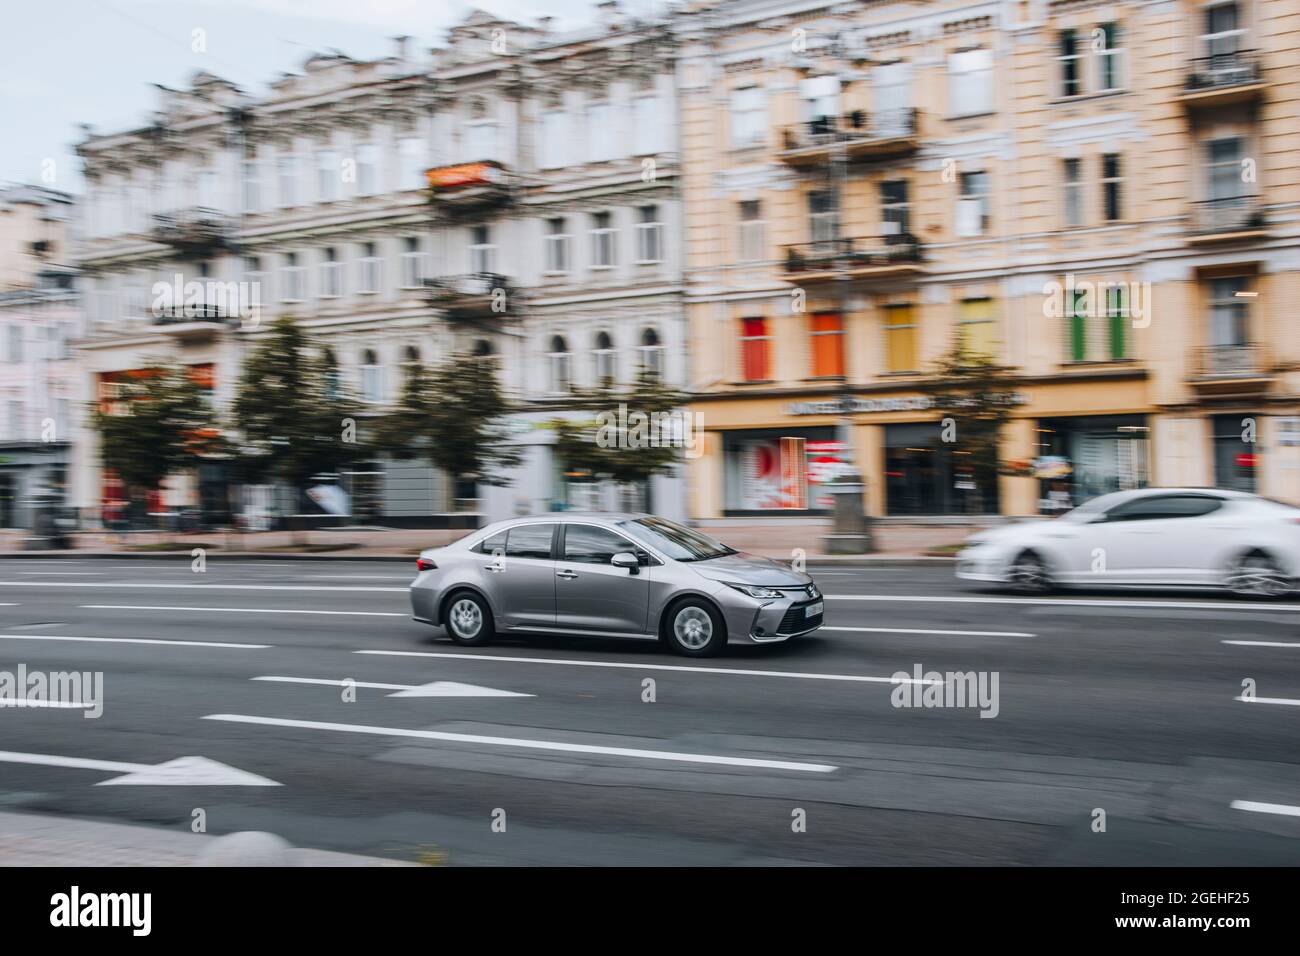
{"x": 628, "y": 560}
{"x": 1100, "y": 519}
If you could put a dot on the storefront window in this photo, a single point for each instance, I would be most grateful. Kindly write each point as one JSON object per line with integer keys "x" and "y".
{"x": 1236, "y": 459}
{"x": 926, "y": 476}
{"x": 1083, "y": 457}
{"x": 779, "y": 470}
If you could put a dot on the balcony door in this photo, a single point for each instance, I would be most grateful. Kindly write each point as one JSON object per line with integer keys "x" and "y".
{"x": 890, "y": 99}
{"x": 1223, "y": 33}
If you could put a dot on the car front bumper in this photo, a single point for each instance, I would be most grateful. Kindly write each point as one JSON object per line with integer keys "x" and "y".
{"x": 768, "y": 621}
{"x": 981, "y": 563}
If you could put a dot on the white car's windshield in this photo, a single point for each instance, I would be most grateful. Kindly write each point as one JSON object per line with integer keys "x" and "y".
{"x": 1091, "y": 508}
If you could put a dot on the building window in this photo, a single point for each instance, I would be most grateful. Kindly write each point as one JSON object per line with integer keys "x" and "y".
{"x": 600, "y": 132}
{"x": 900, "y": 338}
{"x": 482, "y": 251}
{"x": 371, "y": 277}
{"x": 647, "y": 125}
{"x": 977, "y": 328}
{"x": 748, "y": 118}
{"x": 367, "y": 169}
{"x": 372, "y": 377}
{"x": 602, "y": 240}
{"x": 1236, "y": 461}
{"x": 561, "y": 381}
{"x": 252, "y": 176}
{"x": 1222, "y": 36}
{"x": 15, "y": 342}
{"x": 970, "y": 82}
{"x": 973, "y": 208}
{"x": 1229, "y": 313}
{"x": 754, "y": 345}
{"x": 412, "y": 263}
{"x": 254, "y": 276}
{"x": 1117, "y": 322}
{"x": 823, "y": 216}
{"x": 554, "y": 147}
{"x": 411, "y": 154}
{"x": 1109, "y": 57}
{"x": 1112, "y": 191}
{"x": 895, "y": 210}
{"x": 652, "y": 354}
{"x": 1223, "y": 158}
{"x": 557, "y": 246}
{"x": 1069, "y": 58}
{"x": 331, "y": 273}
{"x": 327, "y": 175}
{"x": 1073, "y": 195}
{"x": 291, "y": 279}
{"x": 751, "y": 240}
{"x": 605, "y": 359}
{"x": 827, "y": 332}
{"x": 649, "y": 235}
{"x": 286, "y": 166}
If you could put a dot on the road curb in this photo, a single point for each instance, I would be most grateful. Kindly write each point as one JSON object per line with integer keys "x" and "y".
{"x": 839, "y": 561}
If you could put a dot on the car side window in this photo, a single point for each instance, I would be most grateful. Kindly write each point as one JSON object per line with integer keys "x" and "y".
{"x": 530, "y": 541}
{"x": 1165, "y": 506}
{"x": 492, "y": 544}
{"x": 587, "y": 544}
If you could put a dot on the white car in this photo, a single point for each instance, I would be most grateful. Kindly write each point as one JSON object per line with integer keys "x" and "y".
{"x": 1154, "y": 537}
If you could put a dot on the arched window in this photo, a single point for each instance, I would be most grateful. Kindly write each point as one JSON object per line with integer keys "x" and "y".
{"x": 606, "y": 370}
{"x": 483, "y": 349}
{"x": 412, "y": 354}
{"x": 372, "y": 379}
{"x": 559, "y": 356}
{"x": 333, "y": 386}
{"x": 652, "y": 354}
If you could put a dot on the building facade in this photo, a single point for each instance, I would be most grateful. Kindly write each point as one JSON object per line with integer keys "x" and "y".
{"x": 513, "y": 194}
{"x": 40, "y": 318}
{"x": 1101, "y": 196}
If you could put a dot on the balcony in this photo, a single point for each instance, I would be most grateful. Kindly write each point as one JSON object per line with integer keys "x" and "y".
{"x": 194, "y": 322}
{"x": 1224, "y": 79}
{"x": 196, "y": 231}
{"x": 1229, "y": 371}
{"x": 472, "y": 297}
{"x": 858, "y": 134}
{"x": 469, "y": 189}
{"x": 1226, "y": 220}
{"x": 870, "y": 257}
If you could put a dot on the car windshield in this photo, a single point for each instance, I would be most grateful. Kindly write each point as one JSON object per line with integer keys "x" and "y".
{"x": 1091, "y": 508}
{"x": 678, "y": 543}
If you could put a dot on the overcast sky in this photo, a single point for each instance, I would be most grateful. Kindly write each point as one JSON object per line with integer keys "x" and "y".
{"x": 66, "y": 62}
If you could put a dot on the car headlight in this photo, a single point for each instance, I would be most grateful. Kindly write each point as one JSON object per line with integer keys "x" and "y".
{"x": 754, "y": 591}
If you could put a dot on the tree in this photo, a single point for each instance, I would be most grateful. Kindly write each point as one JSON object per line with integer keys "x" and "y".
{"x": 973, "y": 396}
{"x": 453, "y": 414}
{"x": 293, "y": 420}
{"x": 639, "y": 431}
{"x": 162, "y": 424}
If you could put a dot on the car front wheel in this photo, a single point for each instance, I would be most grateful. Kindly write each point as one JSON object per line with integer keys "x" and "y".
{"x": 1028, "y": 574}
{"x": 1258, "y": 575}
{"x": 694, "y": 628}
{"x": 468, "y": 619}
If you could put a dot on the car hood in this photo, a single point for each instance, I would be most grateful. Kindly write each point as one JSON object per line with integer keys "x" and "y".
{"x": 745, "y": 568}
{"x": 1020, "y": 531}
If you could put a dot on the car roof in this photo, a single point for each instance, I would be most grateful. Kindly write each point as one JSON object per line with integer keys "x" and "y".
{"x": 554, "y": 516}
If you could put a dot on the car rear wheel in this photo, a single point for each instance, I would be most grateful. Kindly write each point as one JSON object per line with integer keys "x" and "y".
{"x": 1258, "y": 575}
{"x": 694, "y": 628}
{"x": 468, "y": 619}
{"x": 1028, "y": 574}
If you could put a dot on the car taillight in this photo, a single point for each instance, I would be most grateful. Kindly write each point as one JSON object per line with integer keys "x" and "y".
{"x": 424, "y": 564}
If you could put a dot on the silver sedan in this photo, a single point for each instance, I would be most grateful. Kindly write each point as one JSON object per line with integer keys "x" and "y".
{"x": 611, "y": 575}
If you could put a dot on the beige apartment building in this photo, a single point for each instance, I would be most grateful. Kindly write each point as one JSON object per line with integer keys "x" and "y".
{"x": 1105, "y": 197}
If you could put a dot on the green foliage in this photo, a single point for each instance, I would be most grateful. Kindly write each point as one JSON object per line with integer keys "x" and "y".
{"x": 162, "y": 424}
{"x": 453, "y": 414}
{"x": 622, "y": 442}
{"x": 975, "y": 392}
{"x": 293, "y": 418}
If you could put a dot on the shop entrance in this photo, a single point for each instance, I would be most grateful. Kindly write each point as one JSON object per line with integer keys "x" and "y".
{"x": 927, "y": 476}
{"x": 1083, "y": 457}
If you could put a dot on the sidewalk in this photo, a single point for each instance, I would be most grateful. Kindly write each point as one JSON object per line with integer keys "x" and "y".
{"x": 38, "y": 840}
{"x": 777, "y": 539}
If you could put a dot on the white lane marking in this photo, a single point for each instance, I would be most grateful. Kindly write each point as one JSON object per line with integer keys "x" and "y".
{"x": 1253, "y": 807}
{"x": 656, "y": 667}
{"x": 438, "y": 688}
{"x": 1263, "y": 643}
{"x": 1064, "y": 602}
{"x": 128, "y": 640}
{"x": 195, "y": 587}
{"x": 1269, "y": 700}
{"x": 24, "y": 702}
{"x": 240, "y": 610}
{"x": 525, "y": 743}
{"x": 51, "y": 573}
{"x": 180, "y": 772}
{"x": 914, "y": 630}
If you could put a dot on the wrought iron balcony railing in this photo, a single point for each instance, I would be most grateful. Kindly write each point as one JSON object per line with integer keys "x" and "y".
{"x": 194, "y": 230}
{"x": 1223, "y": 70}
{"x": 862, "y": 133}
{"x": 852, "y": 255}
{"x": 474, "y": 294}
{"x": 1231, "y": 215}
{"x": 1229, "y": 361}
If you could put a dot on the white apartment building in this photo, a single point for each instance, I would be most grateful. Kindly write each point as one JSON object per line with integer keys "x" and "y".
{"x": 39, "y": 319}
{"x": 317, "y": 196}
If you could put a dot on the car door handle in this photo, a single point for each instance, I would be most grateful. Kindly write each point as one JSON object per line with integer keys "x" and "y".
{"x": 494, "y": 567}
{"x": 567, "y": 575}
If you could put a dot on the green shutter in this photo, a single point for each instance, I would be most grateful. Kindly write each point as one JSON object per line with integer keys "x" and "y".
{"x": 1078, "y": 349}
{"x": 1118, "y": 314}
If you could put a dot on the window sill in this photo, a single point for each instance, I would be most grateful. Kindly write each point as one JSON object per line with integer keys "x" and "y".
{"x": 752, "y": 381}
{"x": 649, "y": 262}
{"x": 1085, "y": 97}
{"x": 825, "y": 379}
{"x": 961, "y": 117}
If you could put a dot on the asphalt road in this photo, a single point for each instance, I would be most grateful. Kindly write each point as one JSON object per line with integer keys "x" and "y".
{"x": 1119, "y": 702}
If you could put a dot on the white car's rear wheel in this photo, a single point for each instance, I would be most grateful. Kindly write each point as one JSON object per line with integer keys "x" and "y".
{"x": 1258, "y": 575}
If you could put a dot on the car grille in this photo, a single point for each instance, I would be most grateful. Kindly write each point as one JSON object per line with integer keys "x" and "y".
{"x": 795, "y": 621}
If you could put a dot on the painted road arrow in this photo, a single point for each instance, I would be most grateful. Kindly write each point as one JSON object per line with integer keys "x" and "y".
{"x": 181, "y": 772}
{"x": 438, "y": 688}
